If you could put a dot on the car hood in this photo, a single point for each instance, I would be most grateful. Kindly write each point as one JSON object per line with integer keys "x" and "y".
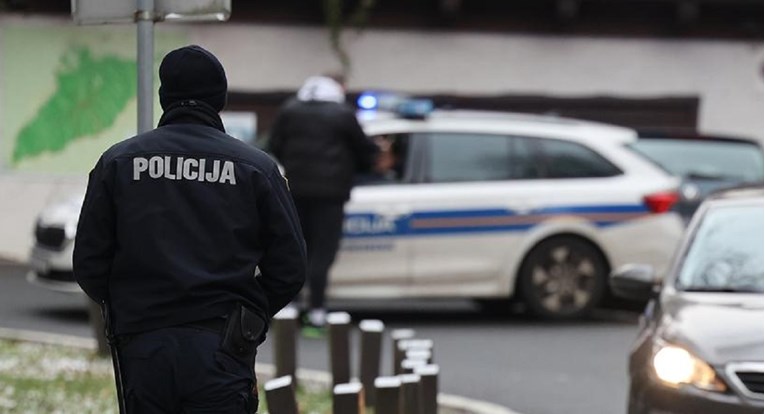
{"x": 718, "y": 327}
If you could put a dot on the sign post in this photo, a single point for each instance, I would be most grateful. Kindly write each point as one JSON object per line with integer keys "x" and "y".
{"x": 144, "y": 13}
{"x": 144, "y": 17}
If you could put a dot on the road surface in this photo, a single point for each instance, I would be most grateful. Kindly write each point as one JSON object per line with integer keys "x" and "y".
{"x": 531, "y": 366}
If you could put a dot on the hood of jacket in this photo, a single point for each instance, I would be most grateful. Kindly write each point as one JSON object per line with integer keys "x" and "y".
{"x": 321, "y": 88}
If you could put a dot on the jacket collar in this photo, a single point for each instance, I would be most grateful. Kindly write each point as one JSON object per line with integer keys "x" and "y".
{"x": 191, "y": 112}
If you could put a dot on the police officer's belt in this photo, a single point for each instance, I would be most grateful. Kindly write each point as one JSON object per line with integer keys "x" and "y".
{"x": 213, "y": 324}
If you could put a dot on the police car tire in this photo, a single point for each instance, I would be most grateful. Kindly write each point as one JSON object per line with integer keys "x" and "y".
{"x": 541, "y": 254}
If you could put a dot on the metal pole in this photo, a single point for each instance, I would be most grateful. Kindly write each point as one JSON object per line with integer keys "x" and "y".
{"x": 371, "y": 346}
{"x": 348, "y": 398}
{"x": 280, "y": 396}
{"x": 284, "y": 327}
{"x": 144, "y": 17}
{"x": 339, "y": 346}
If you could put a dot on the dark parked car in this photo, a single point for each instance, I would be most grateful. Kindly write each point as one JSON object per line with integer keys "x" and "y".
{"x": 700, "y": 346}
{"x": 705, "y": 164}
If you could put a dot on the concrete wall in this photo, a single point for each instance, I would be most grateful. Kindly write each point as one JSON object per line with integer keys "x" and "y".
{"x": 725, "y": 75}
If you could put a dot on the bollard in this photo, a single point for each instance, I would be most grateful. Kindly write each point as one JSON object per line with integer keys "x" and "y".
{"x": 97, "y": 323}
{"x": 284, "y": 327}
{"x": 339, "y": 346}
{"x": 387, "y": 390}
{"x": 419, "y": 354}
{"x": 398, "y": 335}
{"x": 348, "y": 398}
{"x": 405, "y": 345}
{"x": 371, "y": 346}
{"x": 428, "y": 388}
{"x": 280, "y": 396}
{"x": 409, "y": 365}
{"x": 410, "y": 394}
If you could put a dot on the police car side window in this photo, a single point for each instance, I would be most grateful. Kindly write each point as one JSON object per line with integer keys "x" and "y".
{"x": 456, "y": 157}
{"x": 391, "y": 162}
{"x": 524, "y": 159}
{"x": 563, "y": 159}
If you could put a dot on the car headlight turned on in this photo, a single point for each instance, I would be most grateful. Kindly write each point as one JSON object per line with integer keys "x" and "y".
{"x": 675, "y": 366}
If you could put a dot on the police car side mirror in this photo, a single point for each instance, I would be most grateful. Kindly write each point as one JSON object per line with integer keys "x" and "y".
{"x": 635, "y": 281}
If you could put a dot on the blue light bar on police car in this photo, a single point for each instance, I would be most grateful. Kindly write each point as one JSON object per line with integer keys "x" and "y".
{"x": 367, "y": 101}
{"x": 402, "y": 105}
{"x": 415, "y": 108}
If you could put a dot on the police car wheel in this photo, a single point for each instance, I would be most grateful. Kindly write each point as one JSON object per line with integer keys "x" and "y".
{"x": 562, "y": 278}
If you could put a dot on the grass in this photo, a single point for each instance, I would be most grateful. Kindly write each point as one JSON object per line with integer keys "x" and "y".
{"x": 53, "y": 379}
{"x": 37, "y": 378}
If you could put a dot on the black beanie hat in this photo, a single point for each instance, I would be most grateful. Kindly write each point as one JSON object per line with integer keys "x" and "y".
{"x": 192, "y": 72}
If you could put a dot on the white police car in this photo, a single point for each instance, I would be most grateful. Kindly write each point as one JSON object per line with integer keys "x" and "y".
{"x": 488, "y": 206}
{"x": 494, "y": 205}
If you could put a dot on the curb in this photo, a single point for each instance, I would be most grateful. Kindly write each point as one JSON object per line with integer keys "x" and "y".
{"x": 311, "y": 379}
{"x": 47, "y": 338}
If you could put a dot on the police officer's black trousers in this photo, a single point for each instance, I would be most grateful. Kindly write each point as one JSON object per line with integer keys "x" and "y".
{"x": 321, "y": 220}
{"x": 182, "y": 370}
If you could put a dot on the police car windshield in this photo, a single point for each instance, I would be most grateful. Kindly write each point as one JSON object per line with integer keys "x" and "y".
{"x": 699, "y": 159}
{"x": 726, "y": 254}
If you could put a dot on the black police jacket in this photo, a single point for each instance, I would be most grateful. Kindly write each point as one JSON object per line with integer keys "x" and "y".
{"x": 321, "y": 146}
{"x": 176, "y": 220}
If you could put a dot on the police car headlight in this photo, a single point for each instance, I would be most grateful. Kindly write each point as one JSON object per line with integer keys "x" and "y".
{"x": 675, "y": 367}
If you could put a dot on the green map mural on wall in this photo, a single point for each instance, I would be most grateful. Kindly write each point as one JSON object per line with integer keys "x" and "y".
{"x": 68, "y": 93}
{"x": 90, "y": 95}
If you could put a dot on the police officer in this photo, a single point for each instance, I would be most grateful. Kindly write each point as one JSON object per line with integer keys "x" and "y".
{"x": 190, "y": 239}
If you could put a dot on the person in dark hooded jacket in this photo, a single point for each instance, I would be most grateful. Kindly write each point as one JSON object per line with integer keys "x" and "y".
{"x": 318, "y": 140}
{"x": 190, "y": 239}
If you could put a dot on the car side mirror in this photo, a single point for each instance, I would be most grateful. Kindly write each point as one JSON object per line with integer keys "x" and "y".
{"x": 635, "y": 281}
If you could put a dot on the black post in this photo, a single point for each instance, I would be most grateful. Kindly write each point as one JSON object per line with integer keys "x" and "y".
{"x": 371, "y": 346}
{"x": 429, "y": 388}
{"x": 388, "y": 397}
{"x": 97, "y": 323}
{"x": 397, "y": 336}
{"x": 284, "y": 327}
{"x": 348, "y": 398}
{"x": 419, "y": 354}
{"x": 411, "y": 402}
{"x": 280, "y": 396}
{"x": 339, "y": 346}
{"x": 409, "y": 365}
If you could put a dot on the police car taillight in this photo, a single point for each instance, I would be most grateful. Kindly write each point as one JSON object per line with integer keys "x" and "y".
{"x": 661, "y": 202}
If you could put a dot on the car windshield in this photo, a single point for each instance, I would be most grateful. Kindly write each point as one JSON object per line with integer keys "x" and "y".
{"x": 728, "y": 160}
{"x": 726, "y": 253}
